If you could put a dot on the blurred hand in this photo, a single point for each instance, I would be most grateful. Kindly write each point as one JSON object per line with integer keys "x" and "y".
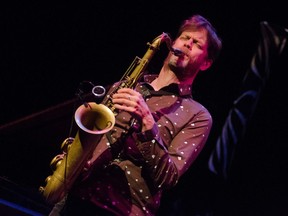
{"x": 132, "y": 101}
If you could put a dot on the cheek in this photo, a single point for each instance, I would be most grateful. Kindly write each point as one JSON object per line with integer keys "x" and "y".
{"x": 202, "y": 55}
{"x": 177, "y": 44}
{"x": 197, "y": 56}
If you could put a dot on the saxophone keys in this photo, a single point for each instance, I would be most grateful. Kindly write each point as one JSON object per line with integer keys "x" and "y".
{"x": 66, "y": 144}
{"x": 56, "y": 161}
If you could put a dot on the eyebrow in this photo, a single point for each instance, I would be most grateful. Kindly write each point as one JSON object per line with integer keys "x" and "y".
{"x": 199, "y": 39}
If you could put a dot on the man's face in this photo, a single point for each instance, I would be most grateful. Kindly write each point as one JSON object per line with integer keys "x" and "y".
{"x": 195, "y": 45}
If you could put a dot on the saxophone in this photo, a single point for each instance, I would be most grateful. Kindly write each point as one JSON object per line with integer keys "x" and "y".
{"x": 94, "y": 120}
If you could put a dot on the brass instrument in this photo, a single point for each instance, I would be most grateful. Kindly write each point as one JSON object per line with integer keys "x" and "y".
{"x": 94, "y": 120}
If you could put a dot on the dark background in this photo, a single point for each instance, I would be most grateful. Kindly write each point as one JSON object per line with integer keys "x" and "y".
{"x": 48, "y": 48}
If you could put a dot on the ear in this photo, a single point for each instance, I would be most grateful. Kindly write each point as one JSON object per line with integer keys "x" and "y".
{"x": 206, "y": 64}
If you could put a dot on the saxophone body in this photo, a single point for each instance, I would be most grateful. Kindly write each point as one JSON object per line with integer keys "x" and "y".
{"x": 94, "y": 120}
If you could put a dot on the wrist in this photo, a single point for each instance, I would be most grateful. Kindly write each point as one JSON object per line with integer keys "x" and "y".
{"x": 147, "y": 123}
{"x": 148, "y": 135}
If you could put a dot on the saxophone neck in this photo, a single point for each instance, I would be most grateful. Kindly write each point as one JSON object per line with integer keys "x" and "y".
{"x": 137, "y": 68}
{"x": 158, "y": 40}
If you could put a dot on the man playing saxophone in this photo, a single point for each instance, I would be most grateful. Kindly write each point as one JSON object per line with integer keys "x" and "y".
{"x": 159, "y": 131}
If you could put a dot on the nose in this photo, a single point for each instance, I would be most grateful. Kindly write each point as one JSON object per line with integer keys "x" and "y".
{"x": 189, "y": 44}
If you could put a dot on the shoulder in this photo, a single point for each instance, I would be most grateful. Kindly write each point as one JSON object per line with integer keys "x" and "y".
{"x": 197, "y": 108}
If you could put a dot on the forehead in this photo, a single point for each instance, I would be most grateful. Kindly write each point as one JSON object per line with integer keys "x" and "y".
{"x": 199, "y": 34}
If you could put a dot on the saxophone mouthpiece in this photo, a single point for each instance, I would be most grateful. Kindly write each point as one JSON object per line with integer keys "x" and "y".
{"x": 177, "y": 52}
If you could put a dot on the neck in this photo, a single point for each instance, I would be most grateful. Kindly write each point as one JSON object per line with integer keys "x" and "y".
{"x": 167, "y": 77}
